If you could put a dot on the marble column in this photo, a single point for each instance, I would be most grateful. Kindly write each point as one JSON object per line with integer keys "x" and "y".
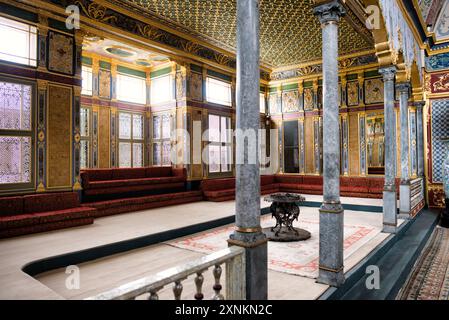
{"x": 420, "y": 136}
{"x": 248, "y": 233}
{"x": 389, "y": 193}
{"x": 404, "y": 188}
{"x": 331, "y": 211}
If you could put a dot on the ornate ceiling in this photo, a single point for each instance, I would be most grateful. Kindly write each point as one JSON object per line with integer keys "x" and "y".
{"x": 435, "y": 17}
{"x": 289, "y": 33}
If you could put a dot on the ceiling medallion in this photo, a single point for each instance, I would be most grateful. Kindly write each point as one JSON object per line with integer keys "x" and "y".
{"x": 143, "y": 62}
{"x": 120, "y": 51}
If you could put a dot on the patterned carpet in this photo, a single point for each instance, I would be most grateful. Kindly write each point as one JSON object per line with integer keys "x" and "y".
{"x": 429, "y": 279}
{"x": 298, "y": 258}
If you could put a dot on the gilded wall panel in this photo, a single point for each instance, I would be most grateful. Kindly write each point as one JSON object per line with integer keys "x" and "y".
{"x": 103, "y": 137}
{"x": 196, "y": 86}
{"x": 61, "y": 49}
{"x": 353, "y": 94}
{"x": 309, "y": 146}
{"x": 354, "y": 157}
{"x": 104, "y": 90}
{"x": 290, "y": 101}
{"x": 59, "y": 148}
{"x": 374, "y": 91}
{"x": 308, "y": 99}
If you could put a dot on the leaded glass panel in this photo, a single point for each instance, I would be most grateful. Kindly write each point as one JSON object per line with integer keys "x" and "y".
{"x": 156, "y": 127}
{"x": 15, "y": 106}
{"x": 137, "y": 126}
{"x": 165, "y": 127}
{"x": 166, "y": 148}
{"x": 124, "y": 154}
{"x": 84, "y": 154}
{"x": 157, "y": 154}
{"x": 125, "y": 125}
{"x": 15, "y": 164}
{"x": 84, "y": 122}
{"x": 137, "y": 155}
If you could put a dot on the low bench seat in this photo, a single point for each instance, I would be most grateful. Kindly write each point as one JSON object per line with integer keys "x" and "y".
{"x": 27, "y": 214}
{"x": 118, "y": 181}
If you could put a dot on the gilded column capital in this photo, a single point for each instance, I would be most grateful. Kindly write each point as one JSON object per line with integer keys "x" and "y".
{"x": 388, "y": 73}
{"x": 330, "y": 12}
{"x": 403, "y": 87}
{"x": 419, "y": 105}
{"x": 42, "y": 84}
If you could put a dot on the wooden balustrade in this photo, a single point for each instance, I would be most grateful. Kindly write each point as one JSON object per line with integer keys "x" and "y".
{"x": 232, "y": 257}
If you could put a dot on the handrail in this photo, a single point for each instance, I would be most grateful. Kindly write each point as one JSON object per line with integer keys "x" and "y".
{"x": 234, "y": 257}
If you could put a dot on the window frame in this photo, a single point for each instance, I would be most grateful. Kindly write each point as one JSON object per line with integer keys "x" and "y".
{"x": 87, "y": 138}
{"x": 229, "y": 144}
{"x": 23, "y": 186}
{"x": 131, "y": 140}
{"x": 171, "y": 89}
{"x": 36, "y": 44}
{"x": 215, "y": 101}
{"x": 160, "y": 140}
{"x": 144, "y": 92}
{"x": 88, "y": 93}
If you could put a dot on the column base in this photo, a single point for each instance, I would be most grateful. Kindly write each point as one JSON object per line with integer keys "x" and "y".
{"x": 390, "y": 206}
{"x": 404, "y": 200}
{"x": 331, "y": 244}
{"x": 256, "y": 263}
{"x": 331, "y": 277}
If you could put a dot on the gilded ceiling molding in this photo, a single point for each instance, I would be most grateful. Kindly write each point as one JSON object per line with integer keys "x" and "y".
{"x": 304, "y": 70}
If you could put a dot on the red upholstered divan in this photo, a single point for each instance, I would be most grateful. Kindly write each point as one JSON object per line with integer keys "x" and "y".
{"x": 224, "y": 189}
{"x": 42, "y": 212}
{"x": 117, "y": 181}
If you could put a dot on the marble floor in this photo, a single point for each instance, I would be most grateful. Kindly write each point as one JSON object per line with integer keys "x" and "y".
{"x": 106, "y": 273}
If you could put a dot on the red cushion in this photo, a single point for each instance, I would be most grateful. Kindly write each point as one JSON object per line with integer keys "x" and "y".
{"x": 289, "y": 179}
{"x": 310, "y": 180}
{"x": 45, "y": 217}
{"x": 158, "y": 172}
{"x": 11, "y": 205}
{"x": 50, "y": 202}
{"x": 97, "y": 174}
{"x": 268, "y": 179}
{"x": 128, "y": 173}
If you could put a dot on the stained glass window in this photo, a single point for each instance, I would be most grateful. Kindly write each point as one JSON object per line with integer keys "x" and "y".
{"x": 15, "y": 164}
{"x": 15, "y": 132}
{"x": 86, "y": 75}
{"x": 19, "y": 42}
{"x": 15, "y": 106}
{"x": 84, "y": 122}
{"x": 161, "y": 140}
{"x": 131, "y": 136}
{"x": 220, "y": 144}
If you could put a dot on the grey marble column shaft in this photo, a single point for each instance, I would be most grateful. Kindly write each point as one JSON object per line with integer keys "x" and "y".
{"x": 404, "y": 189}
{"x": 420, "y": 137}
{"x": 331, "y": 211}
{"x": 248, "y": 233}
{"x": 389, "y": 193}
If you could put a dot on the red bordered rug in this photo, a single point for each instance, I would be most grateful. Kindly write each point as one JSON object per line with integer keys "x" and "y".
{"x": 299, "y": 258}
{"x": 429, "y": 279}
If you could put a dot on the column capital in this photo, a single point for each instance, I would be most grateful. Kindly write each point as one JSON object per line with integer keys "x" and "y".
{"x": 403, "y": 87}
{"x": 388, "y": 73}
{"x": 419, "y": 105}
{"x": 330, "y": 12}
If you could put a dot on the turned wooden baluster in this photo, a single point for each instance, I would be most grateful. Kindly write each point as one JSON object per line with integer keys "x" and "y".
{"x": 177, "y": 290}
{"x": 199, "y": 279}
{"x": 217, "y": 286}
{"x": 153, "y": 294}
